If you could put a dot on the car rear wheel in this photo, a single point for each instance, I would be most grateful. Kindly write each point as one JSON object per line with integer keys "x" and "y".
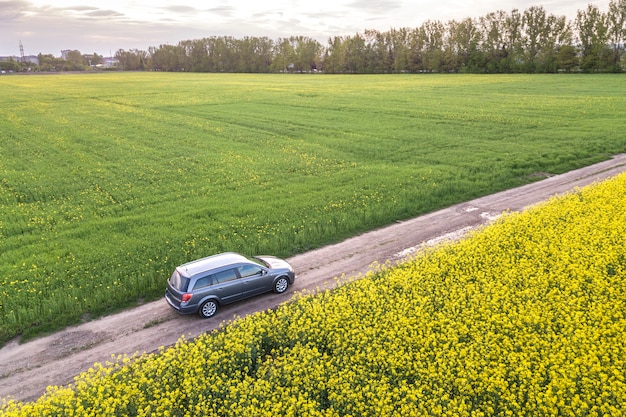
{"x": 208, "y": 309}
{"x": 281, "y": 285}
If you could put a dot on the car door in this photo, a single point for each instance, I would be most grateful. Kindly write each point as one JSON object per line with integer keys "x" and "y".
{"x": 227, "y": 286}
{"x": 255, "y": 280}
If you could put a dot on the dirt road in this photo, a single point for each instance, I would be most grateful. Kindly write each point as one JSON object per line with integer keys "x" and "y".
{"x": 27, "y": 369}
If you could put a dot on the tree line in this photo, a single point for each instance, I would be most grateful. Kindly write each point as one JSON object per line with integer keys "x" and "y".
{"x": 532, "y": 41}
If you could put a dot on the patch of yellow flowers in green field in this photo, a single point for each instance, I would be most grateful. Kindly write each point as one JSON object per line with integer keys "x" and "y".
{"x": 526, "y": 317}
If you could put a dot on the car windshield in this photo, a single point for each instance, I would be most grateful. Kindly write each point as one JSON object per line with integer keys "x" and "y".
{"x": 260, "y": 261}
{"x": 179, "y": 282}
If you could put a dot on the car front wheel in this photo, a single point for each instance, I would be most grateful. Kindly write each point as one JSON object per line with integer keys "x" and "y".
{"x": 208, "y": 309}
{"x": 281, "y": 285}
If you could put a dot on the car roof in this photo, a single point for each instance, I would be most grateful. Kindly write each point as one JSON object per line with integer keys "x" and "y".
{"x": 211, "y": 262}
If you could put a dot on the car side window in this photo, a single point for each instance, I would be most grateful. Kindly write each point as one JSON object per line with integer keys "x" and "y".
{"x": 225, "y": 276}
{"x": 249, "y": 271}
{"x": 203, "y": 282}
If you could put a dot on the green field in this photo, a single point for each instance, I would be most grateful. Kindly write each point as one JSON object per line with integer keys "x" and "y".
{"x": 110, "y": 180}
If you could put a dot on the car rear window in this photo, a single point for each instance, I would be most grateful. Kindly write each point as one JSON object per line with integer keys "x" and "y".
{"x": 203, "y": 282}
{"x": 179, "y": 282}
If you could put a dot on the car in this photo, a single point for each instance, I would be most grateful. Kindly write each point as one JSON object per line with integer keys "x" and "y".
{"x": 202, "y": 286}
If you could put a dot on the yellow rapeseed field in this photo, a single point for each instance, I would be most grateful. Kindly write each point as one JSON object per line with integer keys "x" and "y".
{"x": 526, "y": 317}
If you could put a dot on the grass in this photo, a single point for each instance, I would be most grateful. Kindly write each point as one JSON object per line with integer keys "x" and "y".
{"x": 108, "y": 181}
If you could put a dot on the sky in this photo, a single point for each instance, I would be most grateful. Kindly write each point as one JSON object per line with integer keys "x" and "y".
{"x": 103, "y": 27}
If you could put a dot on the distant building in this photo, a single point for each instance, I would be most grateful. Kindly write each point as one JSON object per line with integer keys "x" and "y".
{"x": 31, "y": 59}
{"x": 109, "y": 62}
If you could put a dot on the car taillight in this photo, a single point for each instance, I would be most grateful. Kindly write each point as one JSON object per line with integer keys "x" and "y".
{"x": 186, "y": 297}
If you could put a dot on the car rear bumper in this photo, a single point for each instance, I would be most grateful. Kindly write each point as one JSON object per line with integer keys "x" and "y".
{"x": 182, "y": 309}
{"x": 170, "y": 302}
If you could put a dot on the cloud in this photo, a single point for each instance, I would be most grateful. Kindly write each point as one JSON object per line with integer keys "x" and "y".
{"x": 378, "y": 6}
{"x": 77, "y": 8}
{"x": 181, "y": 9}
{"x": 15, "y": 9}
{"x": 104, "y": 13}
{"x": 227, "y": 11}
{"x": 12, "y": 10}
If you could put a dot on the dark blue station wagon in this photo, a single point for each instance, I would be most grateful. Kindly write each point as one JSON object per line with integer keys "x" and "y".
{"x": 203, "y": 285}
